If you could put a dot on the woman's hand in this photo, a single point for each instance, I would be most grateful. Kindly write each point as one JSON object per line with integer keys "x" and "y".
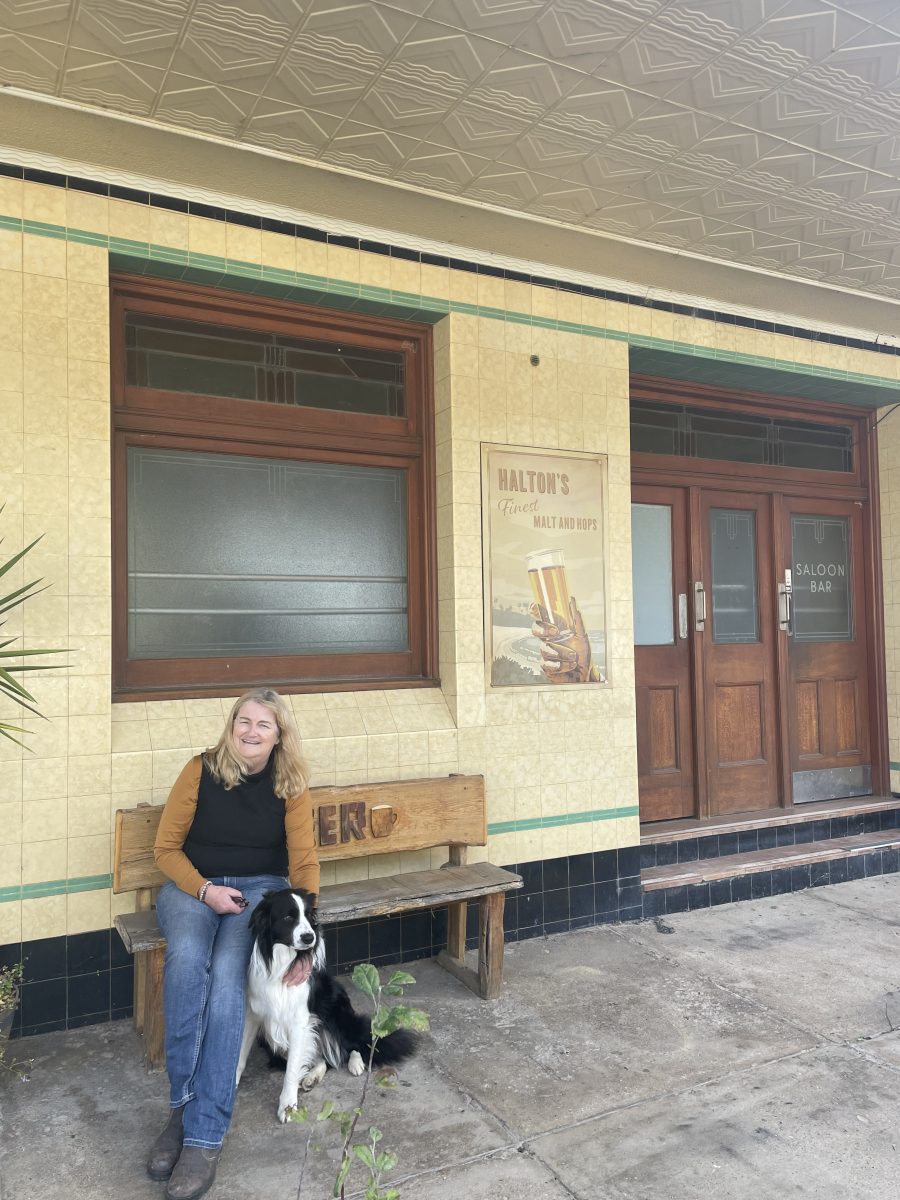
{"x": 223, "y": 900}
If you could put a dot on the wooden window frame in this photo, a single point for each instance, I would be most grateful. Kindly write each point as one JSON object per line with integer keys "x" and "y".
{"x": 149, "y": 417}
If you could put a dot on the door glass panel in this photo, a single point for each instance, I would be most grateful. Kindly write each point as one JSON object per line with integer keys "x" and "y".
{"x": 820, "y": 561}
{"x": 733, "y": 552}
{"x": 651, "y": 572}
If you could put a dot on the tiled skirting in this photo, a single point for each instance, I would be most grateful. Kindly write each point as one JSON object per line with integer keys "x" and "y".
{"x": 86, "y": 979}
{"x": 684, "y": 850}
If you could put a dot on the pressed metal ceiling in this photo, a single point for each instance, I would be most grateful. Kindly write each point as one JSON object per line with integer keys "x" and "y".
{"x": 763, "y": 132}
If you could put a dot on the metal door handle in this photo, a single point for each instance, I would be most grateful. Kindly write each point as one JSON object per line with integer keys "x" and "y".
{"x": 785, "y": 607}
{"x": 699, "y": 607}
{"x": 682, "y": 616}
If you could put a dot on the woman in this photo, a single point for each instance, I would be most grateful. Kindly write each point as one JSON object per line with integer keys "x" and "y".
{"x": 236, "y": 823}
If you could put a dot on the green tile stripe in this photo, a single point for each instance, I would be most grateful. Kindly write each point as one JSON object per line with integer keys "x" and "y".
{"x": 96, "y": 883}
{"x": 579, "y": 818}
{"x": 895, "y": 766}
{"x": 55, "y": 887}
{"x": 149, "y": 258}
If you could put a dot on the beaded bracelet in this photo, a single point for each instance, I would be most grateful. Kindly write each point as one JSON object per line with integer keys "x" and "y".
{"x": 201, "y": 895}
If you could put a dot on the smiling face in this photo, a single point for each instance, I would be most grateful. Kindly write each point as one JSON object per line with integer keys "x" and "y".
{"x": 255, "y": 735}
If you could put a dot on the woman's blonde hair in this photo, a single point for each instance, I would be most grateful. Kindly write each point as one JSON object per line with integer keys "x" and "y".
{"x": 290, "y": 774}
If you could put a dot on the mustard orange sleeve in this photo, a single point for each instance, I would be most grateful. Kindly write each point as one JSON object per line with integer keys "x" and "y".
{"x": 174, "y": 826}
{"x": 303, "y": 861}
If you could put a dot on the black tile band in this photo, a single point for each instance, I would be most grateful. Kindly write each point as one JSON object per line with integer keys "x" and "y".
{"x": 195, "y": 208}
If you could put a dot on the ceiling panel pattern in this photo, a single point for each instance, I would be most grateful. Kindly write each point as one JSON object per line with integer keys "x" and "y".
{"x": 762, "y": 131}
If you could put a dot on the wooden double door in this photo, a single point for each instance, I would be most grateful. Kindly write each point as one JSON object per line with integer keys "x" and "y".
{"x": 751, "y": 650}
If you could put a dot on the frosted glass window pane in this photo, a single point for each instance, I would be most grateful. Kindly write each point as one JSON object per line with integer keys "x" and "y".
{"x": 229, "y": 555}
{"x": 820, "y": 552}
{"x": 734, "y": 602}
{"x": 651, "y": 573}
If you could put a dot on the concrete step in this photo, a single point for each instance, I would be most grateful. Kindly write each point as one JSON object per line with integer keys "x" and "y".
{"x": 723, "y": 879}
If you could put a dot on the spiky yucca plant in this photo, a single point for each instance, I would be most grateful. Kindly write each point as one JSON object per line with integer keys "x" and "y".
{"x": 9, "y": 665}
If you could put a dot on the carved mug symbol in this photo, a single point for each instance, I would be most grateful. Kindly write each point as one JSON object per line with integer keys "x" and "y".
{"x": 382, "y": 819}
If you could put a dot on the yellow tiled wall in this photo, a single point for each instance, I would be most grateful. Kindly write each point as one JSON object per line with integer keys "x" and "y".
{"x": 544, "y": 753}
{"x": 889, "y": 473}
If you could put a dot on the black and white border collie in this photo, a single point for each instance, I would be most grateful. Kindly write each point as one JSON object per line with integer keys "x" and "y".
{"x": 311, "y": 1024}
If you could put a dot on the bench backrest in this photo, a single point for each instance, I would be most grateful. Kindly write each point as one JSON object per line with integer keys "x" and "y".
{"x": 349, "y": 822}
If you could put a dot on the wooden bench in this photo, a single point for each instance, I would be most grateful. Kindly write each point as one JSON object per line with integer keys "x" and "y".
{"x": 350, "y": 822}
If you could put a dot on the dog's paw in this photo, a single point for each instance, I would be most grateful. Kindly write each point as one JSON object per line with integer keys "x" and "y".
{"x": 316, "y": 1075}
{"x": 355, "y": 1064}
{"x": 286, "y": 1105}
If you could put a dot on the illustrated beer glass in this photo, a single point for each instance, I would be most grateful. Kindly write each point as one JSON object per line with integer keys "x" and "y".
{"x": 547, "y": 574}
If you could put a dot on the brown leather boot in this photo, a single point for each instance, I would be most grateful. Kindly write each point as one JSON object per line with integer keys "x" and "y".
{"x": 194, "y": 1173}
{"x": 165, "y": 1150}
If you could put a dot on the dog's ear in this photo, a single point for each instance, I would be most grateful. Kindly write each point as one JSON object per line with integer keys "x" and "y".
{"x": 259, "y": 918}
{"x": 310, "y": 900}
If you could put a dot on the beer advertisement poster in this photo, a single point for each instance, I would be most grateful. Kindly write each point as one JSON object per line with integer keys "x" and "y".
{"x": 545, "y": 589}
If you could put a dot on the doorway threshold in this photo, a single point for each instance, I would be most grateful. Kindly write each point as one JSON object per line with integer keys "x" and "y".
{"x": 697, "y": 827}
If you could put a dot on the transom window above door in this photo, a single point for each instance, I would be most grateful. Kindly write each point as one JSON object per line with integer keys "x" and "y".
{"x": 685, "y": 432}
{"x": 272, "y": 485}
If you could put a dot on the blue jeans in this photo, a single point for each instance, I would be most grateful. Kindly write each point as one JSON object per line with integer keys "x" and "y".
{"x": 203, "y": 1002}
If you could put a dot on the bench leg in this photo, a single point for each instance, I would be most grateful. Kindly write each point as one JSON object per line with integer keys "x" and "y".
{"x": 140, "y": 981}
{"x": 456, "y": 930}
{"x": 152, "y": 1023}
{"x": 490, "y": 945}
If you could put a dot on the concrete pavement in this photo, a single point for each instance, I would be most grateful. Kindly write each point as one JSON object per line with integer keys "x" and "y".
{"x": 742, "y": 1051}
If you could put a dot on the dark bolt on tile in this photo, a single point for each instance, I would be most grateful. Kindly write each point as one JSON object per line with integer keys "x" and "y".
{"x": 784, "y": 835}
{"x": 654, "y": 903}
{"x": 837, "y": 870}
{"x": 688, "y": 850}
{"x": 799, "y": 877}
{"x": 605, "y": 866}
{"x": 803, "y": 833}
{"x": 628, "y": 861}
{"x": 719, "y": 892}
{"x": 760, "y": 885}
{"x": 767, "y": 838}
{"x": 856, "y": 866}
{"x": 890, "y": 861}
{"x": 698, "y": 896}
{"x": 728, "y": 844}
{"x": 666, "y": 854}
{"x": 677, "y": 900}
{"x": 581, "y": 901}
{"x": 821, "y": 830}
{"x": 781, "y": 882}
{"x": 740, "y": 888}
{"x": 581, "y": 869}
{"x": 606, "y": 896}
{"x": 873, "y": 863}
{"x": 556, "y": 874}
{"x": 708, "y": 847}
{"x": 838, "y": 827}
{"x": 748, "y": 841}
{"x": 648, "y": 856}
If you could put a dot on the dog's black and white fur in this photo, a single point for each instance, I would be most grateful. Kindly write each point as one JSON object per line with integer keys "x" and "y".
{"x": 312, "y": 1024}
